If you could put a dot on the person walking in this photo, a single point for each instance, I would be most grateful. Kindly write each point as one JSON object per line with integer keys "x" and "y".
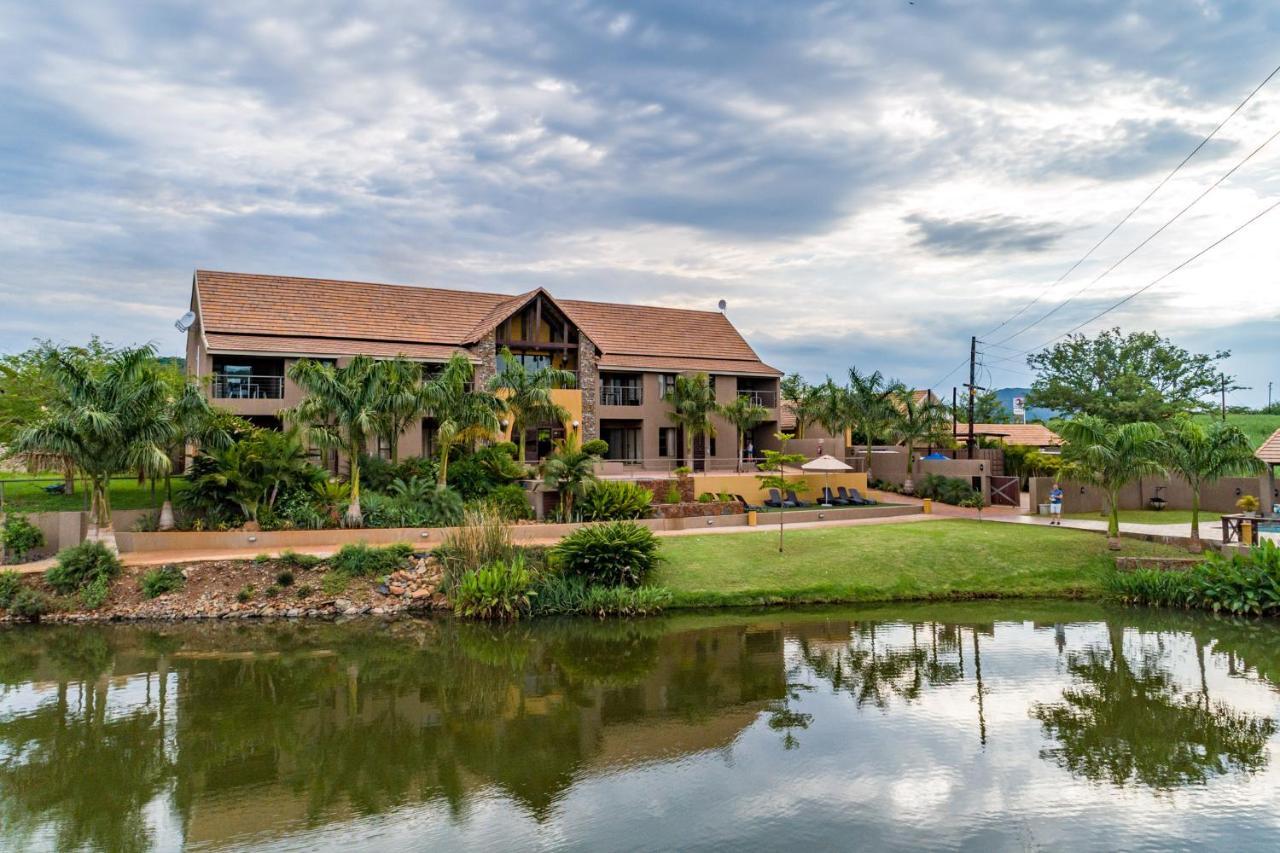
{"x": 1055, "y": 505}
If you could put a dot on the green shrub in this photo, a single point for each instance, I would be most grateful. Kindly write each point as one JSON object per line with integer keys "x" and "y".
{"x": 1152, "y": 587}
{"x": 620, "y": 553}
{"x": 706, "y": 498}
{"x": 595, "y": 447}
{"x": 245, "y": 594}
{"x": 376, "y": 473}
{"x": 94, "y": 594}
{"x": 1242, "y": 584}
{"x": 298, "y": 509}
{"x": 30, "y": 604}
{"x": 81, "y": 565}
{"x": 500, "y": 590}
{"x": 284, "y": 578}
{"x": 334, "y": 582}
{"x": 361, "y": 560}
{"x": 436, "y": 507}
{"x": 672, "y": 496}
{"x": 948, "y": 490}
{"x": 148, "y": 522}
{"x": 481, "y": 539}
{"x": 10, "y": 585}
{"x": 476, "y": 475}
{"x": 562, "y": 595}
{"x": 294, "y": 560}
{"x": 615, "y": 500}
{"x": 510, "y": 502}
{"x": 272, "y": 591}
{"x": 159, "y": 581}
{"x": 303, "y": 590}
{"x": 20, "y": 536}
{"x": 261, "y": 559}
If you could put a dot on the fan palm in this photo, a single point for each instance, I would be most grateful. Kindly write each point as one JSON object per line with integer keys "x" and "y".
{"x": 1203, "y": 454}
{"x": 341, "y": 409}
{"x": 569, "y": 471}
{"x": 105, "y": 417}
{"x": 745, "y": 416}
{"x": 870, "y": 408}
{"x": 1110, "y": 456}
{"x": 914, "y": 422}
{"x": 693, "y": 402}
{"x": 526, "y": 394}
{"x": 461, "y": 413}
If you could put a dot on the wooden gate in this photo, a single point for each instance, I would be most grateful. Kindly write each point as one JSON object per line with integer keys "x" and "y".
{"x": 1005, "y": 491}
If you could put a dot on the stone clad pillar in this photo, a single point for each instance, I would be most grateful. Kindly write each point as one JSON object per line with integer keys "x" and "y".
{"x": 589, "y": 383}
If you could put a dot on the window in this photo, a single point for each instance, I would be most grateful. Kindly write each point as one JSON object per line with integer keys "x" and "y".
{"x": 666, "y": 384}
{"x": 624, "y": 443}
{"x": 667, "y": 441}
{"x": 711, "y": 446}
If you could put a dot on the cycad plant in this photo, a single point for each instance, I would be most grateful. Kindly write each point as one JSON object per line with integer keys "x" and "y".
{"x": 526, "y": 394}
{"x": 693, "y": 402}
{"x": 105, "y": 416}
{"x": 570, "y": 470}
{"x": 1203, "y": 454}
{"x": 914, "y": 421}
{"x": 1111, "y": 456}
{"x": 745, "y": 416}
{"x": 461, "y": 413}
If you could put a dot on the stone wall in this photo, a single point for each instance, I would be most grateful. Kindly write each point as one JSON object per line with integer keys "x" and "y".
{"x": 589, "y": 384}
{"x": 1214, "y": 497}
{"x": 486, "y": 349}
{"x": 697, "y": 509}
{"x": 661, "y": 486}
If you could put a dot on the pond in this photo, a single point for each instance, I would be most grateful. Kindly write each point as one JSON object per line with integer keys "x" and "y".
{"x": 966, "y": 726}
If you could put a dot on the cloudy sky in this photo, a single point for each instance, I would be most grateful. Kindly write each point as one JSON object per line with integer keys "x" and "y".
{"x": 865, "y": 183}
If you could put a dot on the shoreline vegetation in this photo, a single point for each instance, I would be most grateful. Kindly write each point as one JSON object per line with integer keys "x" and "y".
{"x": 946, "y": 560}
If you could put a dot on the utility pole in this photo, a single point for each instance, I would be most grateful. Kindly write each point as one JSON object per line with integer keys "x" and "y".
{"x": 1268, "y": 394}
{"x": 955, "y": 412}
{"x": 1224, "y": 396}
{"x": 973, "y": 378}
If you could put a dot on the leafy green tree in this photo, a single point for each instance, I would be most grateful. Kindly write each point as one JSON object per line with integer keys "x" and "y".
{"x": 1111, "y": 456}
{"x": 341, "y": 409}
{"x": 870, "y": 406}
{"x": 570, "y": 471}
{"x": 774, "y": 467}
{"x": 803, "y": 399}
{"x": 526, "y": 394}
{"x": 744, "y": 416}
{"x": 987, "y": 409}
{"x": 402, "y": 401}
{"x": 192, "y": 421}
{"x": 104, "y": 417}
{"x": 693, "y": 402}
{"x": 1205, "y": 453}
{"x": 915, "y": 421}
{"x": 835, "y": 411}
{"x": 461, "y": 413}
{"x": 1123, "y": 379}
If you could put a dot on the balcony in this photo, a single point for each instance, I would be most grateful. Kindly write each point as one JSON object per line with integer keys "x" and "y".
{"x": 247, "y": 386}
{"x": 621, "y": 395}
{"x": 768, "y": 399}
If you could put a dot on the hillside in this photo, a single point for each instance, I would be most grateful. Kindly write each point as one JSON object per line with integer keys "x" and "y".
{"x": 1258, "y": 427}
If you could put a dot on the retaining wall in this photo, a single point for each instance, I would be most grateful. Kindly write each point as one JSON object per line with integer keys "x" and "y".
{"x": 1215, "y": 497}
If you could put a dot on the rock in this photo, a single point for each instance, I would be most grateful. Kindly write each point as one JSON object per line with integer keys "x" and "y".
{"x": 342, "y": 605}
{"x": 420, "y": 593}
{"x": 293, "y": 612}
{"x": 396, "y": 590}
{"x": 383, "y": 589}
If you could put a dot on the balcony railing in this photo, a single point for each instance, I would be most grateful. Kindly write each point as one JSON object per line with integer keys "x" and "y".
{"x": 621, "y": 395}
{"x": 247, "y": 387}
{"x": 768, "y": 399}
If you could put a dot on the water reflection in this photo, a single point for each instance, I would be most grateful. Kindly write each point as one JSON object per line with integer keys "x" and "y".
{"x": 126, "y": 738}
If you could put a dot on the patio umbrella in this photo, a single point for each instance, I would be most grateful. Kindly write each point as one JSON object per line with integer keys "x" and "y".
{"x": 826, "y": 463}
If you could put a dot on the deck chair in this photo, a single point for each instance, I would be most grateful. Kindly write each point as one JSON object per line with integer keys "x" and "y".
{"x": 854, "y": 493}
{"x": 747, "y": 504}
{"x": 774, "y": 500}
{"x": 849, "y": 499}
{"x": 792, "y": 500}
{"x": 830, "y": 497}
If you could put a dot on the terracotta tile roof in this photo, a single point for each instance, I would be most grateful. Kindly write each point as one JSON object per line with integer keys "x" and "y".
{"x": 1269, "y": 452}
{"x": 1029, "y": 435}
{"x": 282, "y": 345}
{"x": 396, "y": 316}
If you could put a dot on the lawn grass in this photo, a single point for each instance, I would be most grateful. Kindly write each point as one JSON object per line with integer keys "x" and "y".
{"x": 1258, "y": 427}
{"x": 25, "y": 493}
{"x": 950, "y": 559}
{"x": 1150, "y": 516}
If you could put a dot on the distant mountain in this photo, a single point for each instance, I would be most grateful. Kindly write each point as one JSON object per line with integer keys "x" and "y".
{"x": 1006, "y": 395}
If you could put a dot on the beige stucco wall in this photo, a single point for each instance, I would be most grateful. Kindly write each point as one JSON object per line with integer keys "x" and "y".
{"x": 1215, "y": 497}
{"x": 749, "y": 487}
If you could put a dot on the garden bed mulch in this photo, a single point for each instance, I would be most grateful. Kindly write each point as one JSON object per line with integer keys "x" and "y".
{"x": 211, "y": 589}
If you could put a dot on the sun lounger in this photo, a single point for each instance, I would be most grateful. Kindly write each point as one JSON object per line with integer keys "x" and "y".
{"x": 830, "y": 497}
{"x": 747, "y": 504}
{"x": 848, "y": 498}
{"x": 774, "y": 500}
{"x": 793, "y": 500}
{"x": 856, "y": 495}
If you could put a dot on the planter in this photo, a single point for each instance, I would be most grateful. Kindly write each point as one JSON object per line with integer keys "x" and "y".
{"x": 1044, "y": 509}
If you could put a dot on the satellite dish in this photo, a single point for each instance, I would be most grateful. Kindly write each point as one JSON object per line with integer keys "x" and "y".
{"x": 723, "y": 305}
{"x": 185, "y": 321}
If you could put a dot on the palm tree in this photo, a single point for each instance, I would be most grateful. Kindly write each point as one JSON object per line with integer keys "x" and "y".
{"x": 1110, "y": 456}
{"x": 803, "y": 399}
{"x": 342, "y": 410}
{"x": 834, "y": 410}
{"x": 1205, "y": 454}
{"x": 402, "y": 402}
{"x": 912, "y": 422}
{"x": 192, "y": 421}
{"x": 105, "y": 417}
{"x": 869, "y": 406}
{"x": 569, "y": 471}
{"x": 461, "y": 413}
{"x": 745, "y": 416}
{"x": 693, "y": 402}
{"x": 526, "y": 394}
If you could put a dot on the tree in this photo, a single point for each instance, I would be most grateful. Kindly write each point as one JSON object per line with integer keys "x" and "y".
{"x": 341, "y": 409}
{"x": 745, "y": 416}
{"x": 1138, "y": 377}
{"x": 803, "y": 399}
{"x": 104, "y": 416}
{"x": 775, "y": 477}
{"x": 914, "y": 422}
{"x": 461, "y": 414}
{"x": 987, "y": 409}
{"x": 870, "y": 407}
{"x": 834, "y": 411}
{"x": 526, "y": 394}
{"x": 192, "y": 421}
{"x": 1203, "y": 454}
{"x": 569, "y": 471}
{"x": 402, "y": 402}
{"x": 1110, "y": 456}
{"x": 253, "y": 472}
{"x": 693, "y": 402}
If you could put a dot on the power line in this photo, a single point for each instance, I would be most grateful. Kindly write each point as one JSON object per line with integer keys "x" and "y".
{"x": 1137, "y": 207}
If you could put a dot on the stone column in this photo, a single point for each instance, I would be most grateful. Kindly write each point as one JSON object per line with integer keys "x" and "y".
{"x": 486, "y": 349}
{"x": 589, "y": 383}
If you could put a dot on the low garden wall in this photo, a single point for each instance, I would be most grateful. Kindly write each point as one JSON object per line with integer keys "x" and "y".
{"x": 1216, "y": 497}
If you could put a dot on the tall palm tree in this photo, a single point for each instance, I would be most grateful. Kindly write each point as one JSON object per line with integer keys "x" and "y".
{"x": 745, "y": 416}
{"x": 106, "y": 417}
{"x": 1111, "y": 456}
{"x": 803, "y": 400}
{"x": 834, "y": 410}
{"x": 569, "y": 471}
{"x": 341, "y": 409}
{"x": 693, "y": 402}
{"x": 1203, "y": 454}
{"x": 526, "y": 394}
{"x": 402, "y": 402}
{"x": 192, "y": 421}
{"x": 914, "y": 422}
{"x": 869, "y": 406}
{"x": 461, "y": 413}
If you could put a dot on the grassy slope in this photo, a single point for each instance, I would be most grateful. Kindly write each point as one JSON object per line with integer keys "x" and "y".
{"x": 29, "y": 496}
{"x": 1258, "y": 427}
{"x": 932, "y": 560}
